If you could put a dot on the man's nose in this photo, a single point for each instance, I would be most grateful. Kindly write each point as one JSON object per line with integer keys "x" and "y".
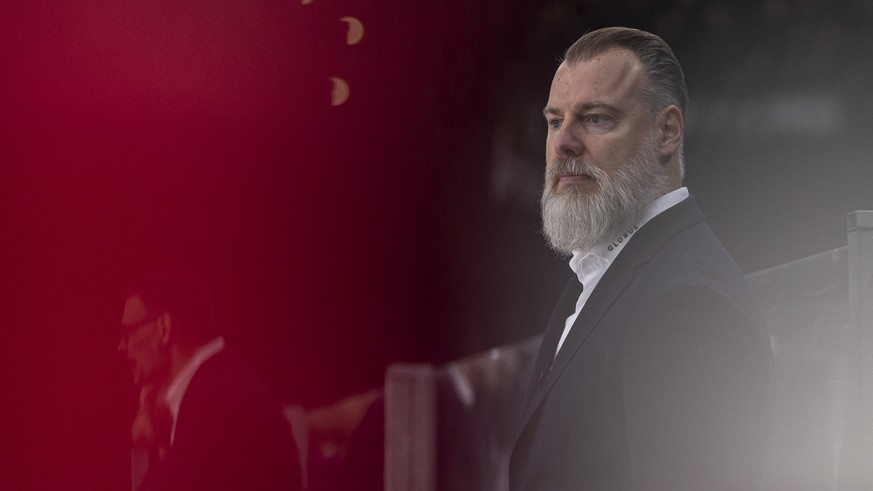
{"x": 568, "y": 143}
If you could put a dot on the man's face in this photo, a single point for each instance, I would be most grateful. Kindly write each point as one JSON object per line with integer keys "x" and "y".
{"x": 602, "y": 158}
{"x": 141, "y": 344}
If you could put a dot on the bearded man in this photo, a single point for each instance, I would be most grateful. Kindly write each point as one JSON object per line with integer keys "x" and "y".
{"x": 654, "y": 371}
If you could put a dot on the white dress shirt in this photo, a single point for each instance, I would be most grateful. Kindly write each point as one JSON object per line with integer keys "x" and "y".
{"x": 179, "y": 385}
{"x": 590, "y": 266}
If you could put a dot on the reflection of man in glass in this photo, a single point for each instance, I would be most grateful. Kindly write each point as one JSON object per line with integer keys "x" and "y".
{"x": 212, "y": 424}
{"x": 654, "y": 371}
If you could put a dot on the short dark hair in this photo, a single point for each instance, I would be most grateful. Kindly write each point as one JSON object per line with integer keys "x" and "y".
{"x": 665, "y": 82}
{"x": 181, "y": 293}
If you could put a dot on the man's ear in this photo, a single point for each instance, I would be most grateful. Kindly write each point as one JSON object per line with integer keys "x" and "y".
{"x": 164, "y": 326}
{"x": 671, "y": 127}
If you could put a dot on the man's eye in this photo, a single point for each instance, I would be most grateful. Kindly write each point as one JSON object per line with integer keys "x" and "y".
{"x": 554, "y": 123}
{"x": 596, "y": 118}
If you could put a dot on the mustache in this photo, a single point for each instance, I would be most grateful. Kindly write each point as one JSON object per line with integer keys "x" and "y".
{"x": 573, "y": 166}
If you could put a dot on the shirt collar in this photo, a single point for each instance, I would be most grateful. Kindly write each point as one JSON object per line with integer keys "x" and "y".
{"x": 602, "y": 254}
{"x": 177, "y": 388}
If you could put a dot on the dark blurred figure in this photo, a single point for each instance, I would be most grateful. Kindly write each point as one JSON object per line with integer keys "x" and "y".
{"x": 654, "y": 372}
{"x": 208, "y": 421}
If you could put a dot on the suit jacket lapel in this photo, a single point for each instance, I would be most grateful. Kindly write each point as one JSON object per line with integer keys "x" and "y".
{"x": 548, "y": 345}
{"x": 618, "y": 277}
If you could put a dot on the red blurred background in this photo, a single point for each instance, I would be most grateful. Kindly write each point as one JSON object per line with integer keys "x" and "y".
{"x": 138, "y": 134}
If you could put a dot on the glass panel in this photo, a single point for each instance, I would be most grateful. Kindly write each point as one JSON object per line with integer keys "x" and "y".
{"x": 806, "y": 306}
{"x": 479, "y": 402}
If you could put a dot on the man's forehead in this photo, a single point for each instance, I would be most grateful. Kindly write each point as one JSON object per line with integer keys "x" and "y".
{"x": 617, "y": 61}
{"x": 615, "y": 72}
{"x": 134, "y": 310}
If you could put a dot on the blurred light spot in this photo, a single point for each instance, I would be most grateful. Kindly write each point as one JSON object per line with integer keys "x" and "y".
{"x": 340, "y": 91}
{"x": 356, "y": 30}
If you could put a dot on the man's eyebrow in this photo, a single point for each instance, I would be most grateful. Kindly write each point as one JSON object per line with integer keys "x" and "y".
{"x": 550, "y": 110}
{"x": 584, "y": 107}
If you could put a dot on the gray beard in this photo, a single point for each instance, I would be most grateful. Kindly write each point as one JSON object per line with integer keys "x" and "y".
{"x": 578, "y": 220}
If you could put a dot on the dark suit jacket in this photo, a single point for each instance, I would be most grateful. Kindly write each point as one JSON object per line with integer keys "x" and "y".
{"x": 664, "y": 380}
{"x": 230, "y": 435}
